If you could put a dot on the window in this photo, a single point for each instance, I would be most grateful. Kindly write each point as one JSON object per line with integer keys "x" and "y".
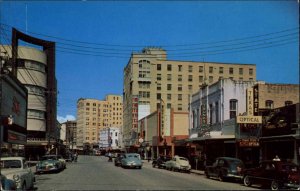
{"x": 217, "y": 111}
{"x": 269, "y": 104}
{"x": 286, "y": 103}
{"x": 211, "y": 79}
{"x": 190, "y": 68}
{"x": 169, "y": 105}
{"x": 179, "y": 96}
{"x": 250, "y": 71}
{"x": 158, "y": 96}
{"x": 210, "y": 113}
{"x": 200, "y": 78}
{"x": 230, "y": 70}
{"x": 211, "y": 70}
{"x": 241, "y": 71}
{"x": 158, "y": 77}
{"x": 221, "y": 70}
{"x": 169, "y": 77}
{"x": 190, "y": 78}
{"x": 179, "y": 107}
{"x": 200, "y": 68}
{"x": 169, "y": 67}
{"x": 179, "y": 78}
{"x": 169, "y": 96}
{"x": 233, "y": 108}
{"x": 179, "y": 87}
{"x": 158, "y": 87}
{"x": 169, "y": 86}
{"x": 179, "y": 68}
{"x": 158, "y": 66}
{"x": 190, "y": 87}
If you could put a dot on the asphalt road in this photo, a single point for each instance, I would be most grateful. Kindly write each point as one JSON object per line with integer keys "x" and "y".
{"x": 96, "y": 173}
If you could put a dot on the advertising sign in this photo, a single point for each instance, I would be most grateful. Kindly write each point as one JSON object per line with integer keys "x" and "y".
{"x": 250, "y": 102}
{"x": 13, "y": 102}
{"x": 255, "y": 100}
{"x": 135, "y": 108}
{"x": 249, "y": 119}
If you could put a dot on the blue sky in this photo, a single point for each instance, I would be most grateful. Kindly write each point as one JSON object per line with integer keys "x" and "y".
{"x": 102, "y": 34}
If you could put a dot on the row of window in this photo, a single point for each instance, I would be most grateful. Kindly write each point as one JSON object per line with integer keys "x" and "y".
{"x": 211, "y": 69}
{"x": 30, "y": 64}
{"x": 104, "y": 105}
{"x": 190, "y": 78}
{"x": 103, "y": 124}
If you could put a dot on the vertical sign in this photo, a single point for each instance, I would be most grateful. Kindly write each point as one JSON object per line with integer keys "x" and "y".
{"x": 250, "y": 102}
{"x": 135, "y": 106}
{"x": 255, "y": 100}
{"x": 162, "y": 128}
{"x": 203, "y": 115}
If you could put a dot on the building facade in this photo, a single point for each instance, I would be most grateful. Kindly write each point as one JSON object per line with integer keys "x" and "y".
{"x": 151, "y": 79}
{"x": 94, "y": 115}
{"x": 35, "y": 68}
{"x": 68, "y": 134}
{"x": 109, "y": 138}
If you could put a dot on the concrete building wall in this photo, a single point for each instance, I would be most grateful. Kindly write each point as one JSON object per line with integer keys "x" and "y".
{"x": 153, "y": 78}
{"x": 181, "y": 123}
{"x": 278, "y": 93}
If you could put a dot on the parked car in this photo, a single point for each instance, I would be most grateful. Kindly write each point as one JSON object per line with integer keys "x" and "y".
{"x": 118, "y": 159}
{"x": 178, "y": 163}
{"x": 276, "y": 174}
{"x": 7, "y": 184}
{"x": 57, "y": 157}
{"x": 16, "y": 169}
{"x": 131, "y": 160}
{"x": 160, "y": 161}
{"x": 224, "y": 168}
{"x": 48, "y": 165}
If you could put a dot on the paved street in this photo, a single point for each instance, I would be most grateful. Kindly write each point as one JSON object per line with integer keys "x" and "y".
{"x": 95, "y": 173}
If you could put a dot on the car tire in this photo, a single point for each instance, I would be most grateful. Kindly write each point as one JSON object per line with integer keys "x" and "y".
{"x": 153, "y": 165}
{"x": 274, "y": 185}
{"x": 247, "y": 181}
{"x": 221, "y": 177}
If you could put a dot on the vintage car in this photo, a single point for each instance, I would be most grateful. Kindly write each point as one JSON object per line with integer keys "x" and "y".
{"x": 118, "y": 159}
{"x": 7, "y": 184}
{"x": 48, "y": 165}
{"x": 16, "y": 169}
{"x": 274, "y": 174}
{"x": 178, "y": 163}
{"x": 56, "y": 157}
{"x": 131, "y": 160}
{"x": 160, "y": 162}
{"x": 224, "y": 168}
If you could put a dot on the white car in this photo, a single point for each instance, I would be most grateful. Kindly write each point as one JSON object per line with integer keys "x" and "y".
{"x": 16, "y": 169}
{"x": 178, "y": 163}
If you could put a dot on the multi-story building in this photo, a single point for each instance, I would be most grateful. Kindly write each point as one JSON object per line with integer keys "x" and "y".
{"x": 109, "y": 138}
{"x": 35, "y": 68}
{"x": 94, "y": 115}
{"x": 150, "y": 79}
{"x": 69, "y": 133}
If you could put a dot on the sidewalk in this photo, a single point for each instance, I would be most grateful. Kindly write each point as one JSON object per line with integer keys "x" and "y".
{"x": 194, "y": 171}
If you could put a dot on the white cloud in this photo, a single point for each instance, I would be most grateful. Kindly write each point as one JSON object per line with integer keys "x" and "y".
{"x": 67, "y": 118}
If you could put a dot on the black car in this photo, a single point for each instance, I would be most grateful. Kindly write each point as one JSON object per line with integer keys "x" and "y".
{"x": 224, "y": 168}
{"x": 160, "y": 162}
{"x": 274, "y": 174}
{"x": 118, "y": 159}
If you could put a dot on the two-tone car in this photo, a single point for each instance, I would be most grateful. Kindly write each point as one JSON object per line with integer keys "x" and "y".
{"x": 131, "y": 160}
{"x": 48, "y": 164}
{"x": 16, "y": 169}
{"x": 274, "y": 174}
{"x": 225, "y": 168}
{"x": 178, "y": 163}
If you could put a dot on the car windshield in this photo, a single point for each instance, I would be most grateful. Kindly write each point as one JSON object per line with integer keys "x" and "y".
{"x": 233, "y": 164}
{"x": 290, "y": 168}
{"x": 133, "y": 156}
{"x": 5, "y": 164}
{"x": 181, "y": 158}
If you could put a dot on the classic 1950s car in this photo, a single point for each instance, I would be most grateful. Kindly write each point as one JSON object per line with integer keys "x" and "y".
{"x": 178, "y": 163}
{"x": 7, "y": 184}
{"x": 49, "y": 164}
{"x": 225, "y": 167}
{"x": 160, "y": 162}
{"x": 16, "y": 169}
{"x": 131, "y": 160}
{"x": 276, "y": 174}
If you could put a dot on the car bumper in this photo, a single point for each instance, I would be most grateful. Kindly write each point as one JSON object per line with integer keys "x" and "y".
{"x": 235, "y": 176}
{"x": 292, "y": 185}
{"x": 133, "y": 165}
{"x": 46, "y": 169}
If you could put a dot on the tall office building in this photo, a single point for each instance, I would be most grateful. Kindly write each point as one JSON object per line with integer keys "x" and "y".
{"x": 150, "y": 79}
{"x": 94, "y": 115}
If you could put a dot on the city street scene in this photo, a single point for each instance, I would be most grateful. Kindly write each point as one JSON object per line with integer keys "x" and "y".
{"x": 149, "y": 95}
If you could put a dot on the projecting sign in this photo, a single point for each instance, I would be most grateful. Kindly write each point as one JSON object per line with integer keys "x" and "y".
{"x": 250, "y": 101}
{"x": 249, "y": 119}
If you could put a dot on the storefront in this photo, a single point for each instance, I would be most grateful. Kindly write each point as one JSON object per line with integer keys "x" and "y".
{"x": 13, "y": 105}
